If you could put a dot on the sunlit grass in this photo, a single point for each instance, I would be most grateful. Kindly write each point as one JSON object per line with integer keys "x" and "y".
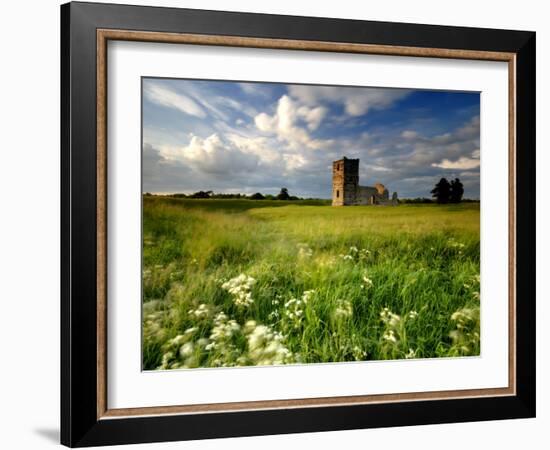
{"x": 241, "y": 282}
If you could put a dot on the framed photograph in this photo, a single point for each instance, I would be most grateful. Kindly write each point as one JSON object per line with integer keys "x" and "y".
{"x": 276, "y": 224}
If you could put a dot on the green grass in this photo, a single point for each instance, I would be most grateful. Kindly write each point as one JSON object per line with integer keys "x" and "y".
{"x": 386, "y": 282}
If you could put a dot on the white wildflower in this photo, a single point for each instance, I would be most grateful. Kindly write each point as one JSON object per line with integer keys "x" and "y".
{"x": 201, "y": 312}
{"x": 389, "y": 336}
{"x": 307, "y": 295}
{"x": 367, "y": 282}
{"x": 186, "y": 349}
{"x": 304, "y": 251}
{"x": 223, "y": 329}
{"x": 203, "y": 342}
{"x": 389, "y": 318}
{"x": 178, "y": 340}
{"x": 358, "y": 353}
{"x": 240, "y": 287}
{"x": 343, "y": 309}
{"x": 265, "y": 346}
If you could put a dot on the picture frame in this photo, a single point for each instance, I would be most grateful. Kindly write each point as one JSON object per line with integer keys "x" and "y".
{"x": 86, "y": 418}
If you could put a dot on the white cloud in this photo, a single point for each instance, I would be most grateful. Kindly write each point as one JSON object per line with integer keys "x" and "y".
{"x": 284, "y": 125}
{"x": 409, "y": 134}
{"x": 256, "y": 89}
{"x": 171, "y": 99}
{"x": 356, "y": 101}
{"x": 212, "y": 155}
{"x": 294, "y": 161}
{"x": 258, "y": 146}
{"x": 313, "y": 116}
{"x": 462, "y": 163}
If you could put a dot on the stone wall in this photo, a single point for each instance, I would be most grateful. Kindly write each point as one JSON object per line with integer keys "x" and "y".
{"x": 345, "y": 178}
{"x": 346, "y": 189}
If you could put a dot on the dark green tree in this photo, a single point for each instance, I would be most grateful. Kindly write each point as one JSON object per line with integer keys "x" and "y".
{"x": 257, "y": 196}
{"x": 201, "y": 194}
{"x": 283, "y": 195}
{"x": 442, "y": 191}
{"x": 457, "y": 191}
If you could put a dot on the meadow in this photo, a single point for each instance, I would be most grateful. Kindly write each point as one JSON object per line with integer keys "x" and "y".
{"x": 244, "y": 282}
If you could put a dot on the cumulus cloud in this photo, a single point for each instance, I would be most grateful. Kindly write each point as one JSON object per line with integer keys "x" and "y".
{"x": 212, "y": 156}
{"x": 356, "y": 101}
{"x": 284, "y": 123}
{"x": 163, "y": 96}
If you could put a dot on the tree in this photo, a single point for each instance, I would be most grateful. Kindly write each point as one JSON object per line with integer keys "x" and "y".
{"x": 457, "y": 191}
{"x": 442, "y": 191}
{"x": 283, "y": 195}
{"x": 201, "y": 194}
{"x": 257, "y": 196}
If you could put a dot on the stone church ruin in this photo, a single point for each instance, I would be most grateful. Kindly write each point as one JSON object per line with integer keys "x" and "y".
{"x": 346, "y": 190}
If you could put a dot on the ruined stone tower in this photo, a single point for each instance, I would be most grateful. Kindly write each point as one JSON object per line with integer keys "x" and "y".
{"x": 346, "y": 189}
{"x": 345, "y": 179}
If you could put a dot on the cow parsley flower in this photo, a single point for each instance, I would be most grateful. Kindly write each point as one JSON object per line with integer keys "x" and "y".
{"x": 266, "y": 347}
{"x": 240, "y": 287}
{"x": 343, "y": 309}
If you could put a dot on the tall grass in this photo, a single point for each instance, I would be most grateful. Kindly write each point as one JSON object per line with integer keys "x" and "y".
{"x": 240, "y": 282}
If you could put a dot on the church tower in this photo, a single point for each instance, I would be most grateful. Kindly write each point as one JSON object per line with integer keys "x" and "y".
{"x": 345, "y": 179}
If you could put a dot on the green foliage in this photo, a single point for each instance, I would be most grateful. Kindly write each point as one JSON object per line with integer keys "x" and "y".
{"x": 457, "y": 191}
{"x": 283, "y": 195}
{"x": 445, "y": 192}
{"x": 442, "y": 191}
{"x": 240, "y": 282}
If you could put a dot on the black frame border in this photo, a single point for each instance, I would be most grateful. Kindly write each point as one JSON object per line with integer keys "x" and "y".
{"x": 79, "y": 423}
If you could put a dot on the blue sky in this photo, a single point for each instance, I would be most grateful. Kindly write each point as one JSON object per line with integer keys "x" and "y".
{"x": 233, "y": 137}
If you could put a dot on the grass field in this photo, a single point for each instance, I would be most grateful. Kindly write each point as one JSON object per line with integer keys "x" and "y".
{"x": 243, "y": 282}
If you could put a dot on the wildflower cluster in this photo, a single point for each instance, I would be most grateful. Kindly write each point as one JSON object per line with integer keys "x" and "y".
{"x": 294, "y": 309}
{"x": 304, "y": 251}
{"x": 201, "y": 312}
{"x": 240, "y": 287}
{"x": 465, "y": 336}
{"x": 454, "y": 244}
{"x": 179, "y": 352}
{"x": 158, "y": 278}
{"x": 222, "y": 331}
{"x": 265, "y": 346}
{"x": 473, "y": 285}
{"x": 343, "y": 310}
{"x": 367, "y": 282}
{"x": 152, "y": 325}
{"x": 359, "y": 354}
{"x": 394, "y": 338}
{"x": 355, "y": 254}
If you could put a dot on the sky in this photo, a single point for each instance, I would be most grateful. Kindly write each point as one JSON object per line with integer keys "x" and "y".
{"x": 245, "y": 137}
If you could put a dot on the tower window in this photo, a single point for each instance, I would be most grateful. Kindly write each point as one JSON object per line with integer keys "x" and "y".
{"x": 337, "y": 193}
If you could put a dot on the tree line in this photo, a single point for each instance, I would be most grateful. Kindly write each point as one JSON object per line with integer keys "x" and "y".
{"x": 443, "y": 192}
{"x": 282, "y": 195}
